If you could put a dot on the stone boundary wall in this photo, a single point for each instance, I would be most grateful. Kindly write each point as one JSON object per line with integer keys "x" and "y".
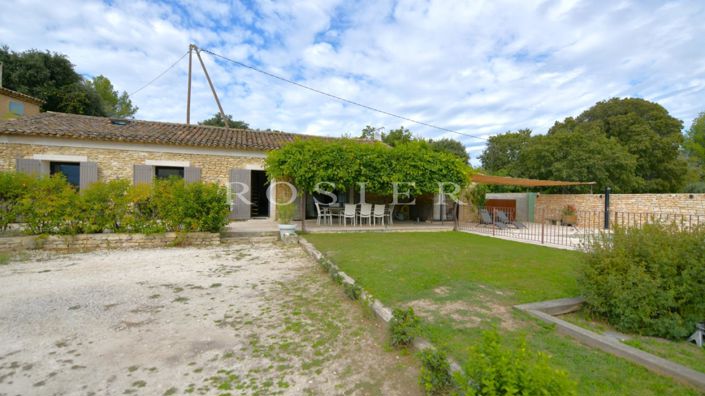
{"x": 85, "y": 242}
{"x": 628, "y": 203}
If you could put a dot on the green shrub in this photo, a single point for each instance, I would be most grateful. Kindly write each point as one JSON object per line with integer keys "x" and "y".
{"x": 13, "y": 186}
{"x": 50, "y": 206}
{"x": 695, "y": 188}
{"x": 497, "y": 370}
{"x": 648, "y": 280}
{"x": 353, "y": 291}
{"x": 104, "y": 206}
{"x": 142, "y": 216}
{"x": 435, "y": 374}
{"x": 403, "y": 327}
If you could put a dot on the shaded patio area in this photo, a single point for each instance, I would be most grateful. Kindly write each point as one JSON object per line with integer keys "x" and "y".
{"x": 265, "y": 227}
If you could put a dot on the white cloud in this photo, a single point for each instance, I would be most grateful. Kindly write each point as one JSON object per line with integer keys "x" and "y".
{"x": 477, "y": 67}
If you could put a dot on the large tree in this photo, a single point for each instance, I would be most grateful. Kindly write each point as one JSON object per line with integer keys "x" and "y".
{"x": 397, "y": 136}
{"x": 217, "y": 120}
{"x": 451, "y": 146}
{"x": 584, "y": 154}
{"x": 114, "y": 104}
{"x": 51, "y": 77}
{"x": 501, "y": 155}
{"x": 645, "y": 130}
{"x": 695, "y": 140}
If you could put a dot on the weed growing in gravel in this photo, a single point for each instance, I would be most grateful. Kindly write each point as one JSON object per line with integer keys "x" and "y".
{"x": 403, "y": 327}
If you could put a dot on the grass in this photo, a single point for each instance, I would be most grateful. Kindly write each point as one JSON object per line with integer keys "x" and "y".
{"x": 685, "y": 353}
{"x": 462, "y": 284}
{"x": 4, "y": 258}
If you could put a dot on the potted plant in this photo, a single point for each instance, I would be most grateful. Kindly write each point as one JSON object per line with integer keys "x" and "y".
{"x": 569, "y": 215}
{"x": 285, "y": 213}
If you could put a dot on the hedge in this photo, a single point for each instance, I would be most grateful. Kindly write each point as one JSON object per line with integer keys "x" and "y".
{"x": 50, "y": 205}
{"x": 648, "y": 280}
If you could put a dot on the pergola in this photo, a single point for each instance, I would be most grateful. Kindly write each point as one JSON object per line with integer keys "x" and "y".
{"x": 516, "y": 181}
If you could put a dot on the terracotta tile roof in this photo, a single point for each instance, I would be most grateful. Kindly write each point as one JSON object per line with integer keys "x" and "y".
{"x": 72, "y": 126}
{"x": 20, "y": 96}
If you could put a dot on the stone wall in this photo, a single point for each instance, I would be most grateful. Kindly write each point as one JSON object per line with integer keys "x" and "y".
{"x": 118, "y": 163}
{"x": 86, "y": 242}
{"x": 628, "y": 203}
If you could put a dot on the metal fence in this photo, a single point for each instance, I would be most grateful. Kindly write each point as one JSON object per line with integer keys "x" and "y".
{"x": 576, "y": 230}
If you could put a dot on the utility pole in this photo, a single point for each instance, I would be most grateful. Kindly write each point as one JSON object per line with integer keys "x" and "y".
{"x": 188, "y": 95}
{"x": 215, "y": 95}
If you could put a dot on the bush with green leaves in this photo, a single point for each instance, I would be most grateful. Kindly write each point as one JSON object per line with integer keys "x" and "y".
{"x": 353, "y": 291}
{"x": 103, "y": 206}
{"x": 403, "y": 327}
{"x": 496, "y": 369}
{"x": 13, "y": 186}
{"x": 435, "y": 377}
{"x": 50, "y": 206}
{"x": 648, "y": 280}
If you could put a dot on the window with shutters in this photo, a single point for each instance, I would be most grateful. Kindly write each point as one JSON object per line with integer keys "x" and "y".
{"x": 17, "y": 107}
{"x": 70, "y": 170}
{"x": 165, "y": 172}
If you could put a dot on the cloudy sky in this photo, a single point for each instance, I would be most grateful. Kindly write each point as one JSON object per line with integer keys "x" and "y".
{"x": 478, "y": 67}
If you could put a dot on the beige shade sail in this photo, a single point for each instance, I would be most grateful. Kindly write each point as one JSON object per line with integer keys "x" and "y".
{"x": 515, "y": 181}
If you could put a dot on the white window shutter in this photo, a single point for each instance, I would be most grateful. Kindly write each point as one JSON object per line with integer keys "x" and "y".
{"x": 88, "y": 174}
{"x": 143, "y": 174}
{"x": 192, "y": 174}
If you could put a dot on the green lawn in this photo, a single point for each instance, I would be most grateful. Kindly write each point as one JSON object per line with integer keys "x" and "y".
{"x": 463, "y": 283}
{"x": 685, "y": 353}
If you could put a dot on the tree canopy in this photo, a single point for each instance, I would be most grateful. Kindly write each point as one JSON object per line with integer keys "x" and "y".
{"x": 397, "y": 136}
{"x": 51, "y": 77}
{"x": 346, "y": 162}
{"x": 451, "y": 146}
{"x": 217, "y": 120}
{"x": 115, "y": 104}
{"x": 695, "y": 140}
{"x": 631, "y": 145}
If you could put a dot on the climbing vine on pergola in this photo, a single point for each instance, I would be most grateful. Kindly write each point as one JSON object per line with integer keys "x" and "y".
{"x": 347, "y": 162}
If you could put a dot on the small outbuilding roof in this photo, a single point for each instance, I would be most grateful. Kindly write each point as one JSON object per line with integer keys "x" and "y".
{"x": 21, "y": 96}
{"x": 515, "y": 181}
{"x": 72, "y": 126}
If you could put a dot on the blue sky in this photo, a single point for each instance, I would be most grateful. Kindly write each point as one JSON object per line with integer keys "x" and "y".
{"x": 481, "y": 68}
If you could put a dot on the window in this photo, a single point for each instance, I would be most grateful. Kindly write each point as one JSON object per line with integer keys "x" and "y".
{"x": 70, "y": 170}
{"x": 165, "y": 172}
{"x": 17, "y": 108}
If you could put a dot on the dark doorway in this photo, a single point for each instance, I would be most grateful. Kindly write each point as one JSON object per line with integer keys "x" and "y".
{"x": 70, "y": 170}
{"x": 260, "y": 202}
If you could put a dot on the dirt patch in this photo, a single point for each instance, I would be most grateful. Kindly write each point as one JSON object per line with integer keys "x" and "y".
{"x": 243, "y": 319}
{"x": 466, "y": 314}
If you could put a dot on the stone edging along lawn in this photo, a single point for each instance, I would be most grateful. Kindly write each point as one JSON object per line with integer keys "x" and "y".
{"x": 546, "y": 311}
{"x": 382, "y": 312}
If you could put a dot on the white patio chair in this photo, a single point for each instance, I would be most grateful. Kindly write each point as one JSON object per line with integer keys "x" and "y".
{"x": 349, "y": 213}
{"x": 323, "y": 213}
{"x": 365, "y": 213}
{"x": 378, "y": 213}
{"x": 390, "y": 214}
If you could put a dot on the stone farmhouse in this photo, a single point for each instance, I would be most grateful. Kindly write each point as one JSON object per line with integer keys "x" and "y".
{"x": 86, "y": 149}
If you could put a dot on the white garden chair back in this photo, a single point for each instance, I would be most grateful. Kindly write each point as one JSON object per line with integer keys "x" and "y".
{"x": 365, "y": 213}
{"x": 378, "y": 213}
{"x": 349, "y": 213}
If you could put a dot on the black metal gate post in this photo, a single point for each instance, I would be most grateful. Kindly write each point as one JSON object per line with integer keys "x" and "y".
{"x": 607, "y": 207}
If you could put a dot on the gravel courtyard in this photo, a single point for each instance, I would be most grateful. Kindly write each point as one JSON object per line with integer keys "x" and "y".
{"x": 258, "y": 318}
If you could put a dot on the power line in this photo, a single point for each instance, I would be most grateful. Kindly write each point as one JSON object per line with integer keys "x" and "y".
{"x": 338, "y": 97}
{"x": 160, "y": 74}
